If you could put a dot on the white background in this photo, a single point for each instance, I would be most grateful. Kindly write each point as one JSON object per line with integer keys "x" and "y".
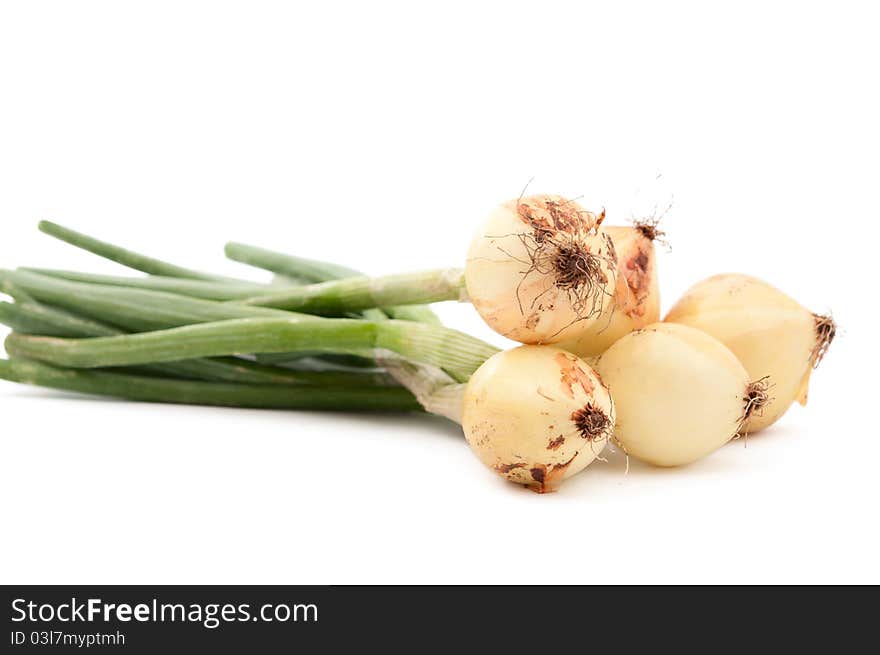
{"x": 377, "y": 135}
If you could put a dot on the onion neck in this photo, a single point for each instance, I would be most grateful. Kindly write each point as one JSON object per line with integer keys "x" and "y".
{"x": 436, "y": 391}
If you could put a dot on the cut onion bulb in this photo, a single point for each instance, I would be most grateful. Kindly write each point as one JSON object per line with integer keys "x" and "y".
{"x": 770, "y": 333}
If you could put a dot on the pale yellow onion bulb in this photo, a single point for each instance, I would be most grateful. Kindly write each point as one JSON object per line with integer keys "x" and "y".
{"x": 636, "y": 301}
{"x": 540, "y": 269}
{"x": 536, "y": 415}
{"x": 770, "y": 333}
{"x": 679, "y": 393}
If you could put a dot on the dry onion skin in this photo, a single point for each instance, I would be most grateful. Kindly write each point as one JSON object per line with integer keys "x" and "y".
{"x": 770, "y": 333}
{"x": 536, "y": 415}
{"x": 679, "y": 393}
{"x": 540, "y": 269}
{"x": 637, "y": 264}
{"x": 636, "y": 301}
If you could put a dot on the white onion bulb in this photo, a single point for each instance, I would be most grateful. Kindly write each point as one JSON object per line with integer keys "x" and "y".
{"x": 536, "y": 415}
{"x": 679, "y": 394}
{"x": 540, "y": 269}
{"x": 768, "y": 331}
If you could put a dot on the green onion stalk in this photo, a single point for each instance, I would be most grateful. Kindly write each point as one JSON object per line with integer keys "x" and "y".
{"x": 174, "y": 326}
{"x": 205, "y": 289}
{"x": 435, "y": 348}
{"x": 126, "y": 257}
{"x": 197, "y": 392}
{"x": 29, "y": 316}
{"x": 435, "y": 389}
{"x": 314, "y": 271}
{"x": 140, "y": 310}
{"x": 342, "y": 296}
{"x": 165, "y": 276}
{"x": 455, "y": 352}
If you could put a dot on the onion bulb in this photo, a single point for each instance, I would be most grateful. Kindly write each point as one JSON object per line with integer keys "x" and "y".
{"x": 636, "y": 301}
{"x": 540, "y": 269}
{"x": 679, "y": 393}
{"x": 637, "y": 264}
{"x": 536, "y": 415}
{"x": 768, "y": 331}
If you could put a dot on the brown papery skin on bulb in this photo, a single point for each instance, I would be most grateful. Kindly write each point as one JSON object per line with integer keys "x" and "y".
{"x": 637, "y": 265}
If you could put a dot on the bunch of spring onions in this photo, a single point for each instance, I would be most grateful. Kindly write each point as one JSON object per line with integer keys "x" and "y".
{"x": 597, "y": 365}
